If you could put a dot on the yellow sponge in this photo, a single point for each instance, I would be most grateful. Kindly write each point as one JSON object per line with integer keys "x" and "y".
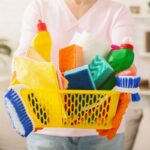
{"x": 35, "y": 74}
{"x": 70, "y": 57}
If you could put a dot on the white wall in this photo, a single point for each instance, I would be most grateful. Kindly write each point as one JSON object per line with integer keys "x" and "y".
{"x": 142, "y": 3}
{"x": 11, "y": 12}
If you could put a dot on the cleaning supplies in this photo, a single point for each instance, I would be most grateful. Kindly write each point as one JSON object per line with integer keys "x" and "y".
{"x": 80, "y": 78}
{"x": 114, "y": 47}
{"x": 70, "y": 57}
{"x": 109, "y": 84}
{"x": 100, "y": 70}
{"x": 128, "y": 84}
{"x": 42, "y": 42}
{"x": 35, "y": 74}
{"x": 111, "y": 81}
{"x": 91, "y": 45}
{"x": 122, "y": 58}
{"x": 17, "y": 112}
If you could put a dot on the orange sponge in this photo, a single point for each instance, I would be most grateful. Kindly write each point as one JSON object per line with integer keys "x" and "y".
{"x": 70, "y": 57}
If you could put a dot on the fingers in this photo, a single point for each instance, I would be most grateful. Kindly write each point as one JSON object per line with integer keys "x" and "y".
{"x": 122, "y": 106}
{"x": 112, "y": 134}
{"x": 103, "y": 132}
{"x": 37, "y": 129}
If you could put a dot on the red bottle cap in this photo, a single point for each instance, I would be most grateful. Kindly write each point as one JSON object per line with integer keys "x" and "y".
{"x": 128, "y": 46}
{"x": 41, "y": 26}
{"x": 115, "y": 47}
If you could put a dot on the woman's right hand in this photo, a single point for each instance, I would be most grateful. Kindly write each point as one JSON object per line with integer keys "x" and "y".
{"x": 124, "y": 101}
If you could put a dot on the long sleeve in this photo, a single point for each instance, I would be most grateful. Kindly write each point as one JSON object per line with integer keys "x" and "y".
{"x": 32, "y": 14}
{"x": 122, "y": 26}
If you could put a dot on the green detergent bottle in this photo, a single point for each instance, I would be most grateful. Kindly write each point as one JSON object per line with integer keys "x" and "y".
{"x": 121, "y": 59}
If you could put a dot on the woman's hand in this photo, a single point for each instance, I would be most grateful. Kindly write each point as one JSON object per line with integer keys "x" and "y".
{"x": 122, "y": 106}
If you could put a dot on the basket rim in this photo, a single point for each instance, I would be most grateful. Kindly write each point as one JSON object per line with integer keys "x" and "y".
{"x": 75, "y": 91}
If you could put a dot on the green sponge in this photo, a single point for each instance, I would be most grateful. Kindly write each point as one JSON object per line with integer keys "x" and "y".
{"x": 100, "y": 71}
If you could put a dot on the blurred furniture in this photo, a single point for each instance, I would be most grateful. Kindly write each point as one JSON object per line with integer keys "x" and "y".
{"x": 135, "y": 9}
{"x": 133, "y": 119}
{"x": 142, "y": 138}
{"x": 5, "y": 63}
{"x": 147, "y": 41}
{"x": 142, "y": 40}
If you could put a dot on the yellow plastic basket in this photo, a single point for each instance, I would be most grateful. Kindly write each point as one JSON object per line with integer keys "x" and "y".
{"x": 71, "y": 108}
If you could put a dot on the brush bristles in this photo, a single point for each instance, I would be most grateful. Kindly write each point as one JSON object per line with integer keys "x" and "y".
{"x": 18, "y": 114}
{"x": 129, "y": 84}
{"x": 128, "y": 81}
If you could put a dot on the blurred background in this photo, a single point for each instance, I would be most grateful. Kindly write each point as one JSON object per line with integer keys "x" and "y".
{"x": 138, "y": 115}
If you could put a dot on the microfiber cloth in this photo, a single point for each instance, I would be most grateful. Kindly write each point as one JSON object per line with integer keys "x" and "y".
{"x": 100, "y": 70}
{"x": 35, "y": 74}
{"x": 80, "y": 78}
{"x": 33, "y": 54}
{"x": 63, "y": 83}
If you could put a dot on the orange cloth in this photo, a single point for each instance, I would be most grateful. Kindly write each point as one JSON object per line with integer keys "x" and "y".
{"x": 70, "y": 57}
{"x": 64, "y": 82}
{"x": 122, "y": 106}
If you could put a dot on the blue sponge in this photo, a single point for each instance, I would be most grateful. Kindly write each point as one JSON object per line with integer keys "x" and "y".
{"x": 80, "y": 79}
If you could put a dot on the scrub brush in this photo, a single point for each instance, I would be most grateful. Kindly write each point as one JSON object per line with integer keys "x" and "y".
{"x": 17, "y": 111}
{"x": 129, "y": 84}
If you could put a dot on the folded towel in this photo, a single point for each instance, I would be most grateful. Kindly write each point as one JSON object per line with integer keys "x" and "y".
{"x": 35, "y": 74}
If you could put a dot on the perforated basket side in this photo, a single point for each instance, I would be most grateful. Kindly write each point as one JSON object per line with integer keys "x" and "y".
{"x": 70, "y": 108}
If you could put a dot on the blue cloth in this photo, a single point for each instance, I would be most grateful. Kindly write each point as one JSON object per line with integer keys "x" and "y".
{"x": 45, "y": 142}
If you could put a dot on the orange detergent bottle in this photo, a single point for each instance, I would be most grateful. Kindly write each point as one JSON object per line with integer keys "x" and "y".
{"x": 42, "y": 42}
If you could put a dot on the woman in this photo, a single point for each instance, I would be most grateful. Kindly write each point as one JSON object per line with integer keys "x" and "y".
{"x": 102, "y": 18}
